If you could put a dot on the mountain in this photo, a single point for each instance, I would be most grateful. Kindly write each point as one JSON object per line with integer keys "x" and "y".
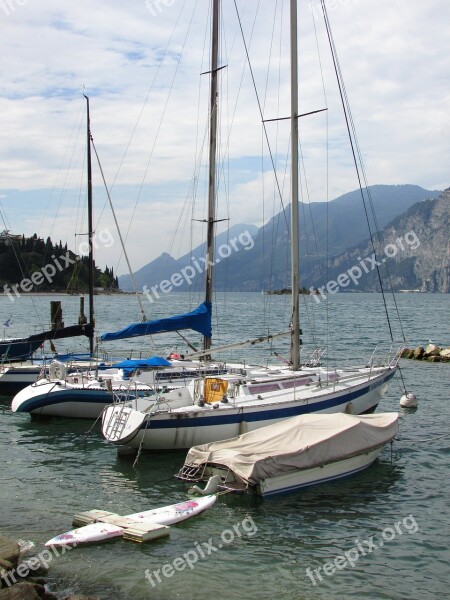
{"x": 414, "y": 246}
{"x": 326, "y": 229}
{"x": 191, "y": 265}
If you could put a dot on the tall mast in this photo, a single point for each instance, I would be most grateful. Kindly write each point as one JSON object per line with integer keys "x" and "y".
{"x": 295, "y": 337}
{"x": 212, "y": 158}
{"x": 90, "y": 231}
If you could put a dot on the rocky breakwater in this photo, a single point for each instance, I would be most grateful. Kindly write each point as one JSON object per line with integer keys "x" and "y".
{"x": 431, "y": 353}
{"x": 21, "y": 578}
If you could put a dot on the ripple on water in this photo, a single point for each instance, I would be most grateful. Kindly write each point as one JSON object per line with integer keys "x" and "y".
{"x": 48, "y": 473}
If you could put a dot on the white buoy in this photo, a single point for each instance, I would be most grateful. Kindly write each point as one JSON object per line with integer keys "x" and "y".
{"x": 408, "y": 400}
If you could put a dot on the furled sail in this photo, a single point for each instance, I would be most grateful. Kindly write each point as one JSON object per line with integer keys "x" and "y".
{"x": 197, "y": 320}
{"x": 23, "y": 348}
{"x": 62, "y": 333}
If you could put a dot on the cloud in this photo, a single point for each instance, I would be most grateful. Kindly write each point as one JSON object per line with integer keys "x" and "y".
{"x": 141, "y": 64}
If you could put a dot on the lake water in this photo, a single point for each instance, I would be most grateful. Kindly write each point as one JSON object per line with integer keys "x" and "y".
{"x": 392, "y": 520}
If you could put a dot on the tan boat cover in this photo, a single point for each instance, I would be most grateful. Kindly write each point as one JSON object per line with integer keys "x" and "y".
{"x": 297, "y": 443}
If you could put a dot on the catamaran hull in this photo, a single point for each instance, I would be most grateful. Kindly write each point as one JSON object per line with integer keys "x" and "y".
{"x": 179, "y": 431}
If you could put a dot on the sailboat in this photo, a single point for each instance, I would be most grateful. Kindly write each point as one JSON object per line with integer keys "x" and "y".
{"x": 20, "y": 366}
{"x": 246, "y": 398}
{"x": 62, "y": 390}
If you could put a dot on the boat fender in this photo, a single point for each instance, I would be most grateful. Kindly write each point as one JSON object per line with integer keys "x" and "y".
{"x": 210, "y": 488}
{"x": 408, "y": 400}
{"x": 349, "y": 409}
{"x": 57, "y": 370}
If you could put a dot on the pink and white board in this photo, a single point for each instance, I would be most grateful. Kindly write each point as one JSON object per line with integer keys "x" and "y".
{"x": 165, "y": 515}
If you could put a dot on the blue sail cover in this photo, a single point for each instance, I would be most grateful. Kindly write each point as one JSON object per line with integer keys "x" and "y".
{"x": 198, "y": 320}
{"x": 141, "y": 363}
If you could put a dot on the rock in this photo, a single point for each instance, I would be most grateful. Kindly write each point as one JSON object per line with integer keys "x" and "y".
{"x": 26, "y": 591}
{"x": 35, "y": 567}
{"x": 407, "y": 353}
{"x": 433, "y": 358}
{"x": 80, "y": 598}
{"x": 431, "y": 349}
{"x": 5, "y": 565}
{"x": 418, "y": 353}
{"x": 9, "y": 551}
{"x": 432, "y": 353}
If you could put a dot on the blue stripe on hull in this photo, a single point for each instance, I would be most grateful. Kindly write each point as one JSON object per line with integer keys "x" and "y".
{"x": 300, "y": 486}
{"x": 46, "y": 400}
{"x": 64, "y": 398}
{"x": 258, "y": 415}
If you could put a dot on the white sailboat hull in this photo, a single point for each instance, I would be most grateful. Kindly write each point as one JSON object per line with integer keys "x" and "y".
{"x": 81, "y": 396}
{"x": 184, "y": 427}
{"x": 13, "y": 379}
{"x": 62, "y": 399}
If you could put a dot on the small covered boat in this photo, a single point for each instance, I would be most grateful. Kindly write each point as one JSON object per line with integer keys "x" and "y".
{"x": 292, "y": 454}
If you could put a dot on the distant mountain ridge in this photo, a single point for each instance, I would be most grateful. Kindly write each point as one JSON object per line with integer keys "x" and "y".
{"x": 326, "y": 230}
{"x": 415, "y": 247}
{"x": 165, "y": 265}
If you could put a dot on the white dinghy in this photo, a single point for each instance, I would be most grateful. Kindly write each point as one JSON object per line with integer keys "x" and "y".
{"x": 292, "y": 454}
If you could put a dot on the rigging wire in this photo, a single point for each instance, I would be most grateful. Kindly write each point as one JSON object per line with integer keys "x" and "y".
{"x": 358, "y": 166}
{"x": 261, "y": 113}
{"x": 20, "y": 262}
{"x": 265, "y": 243}
{"x": 161, "y": 62}
{"x": 144, "y": 318}
{"x": 163, "y": 113}
{"x": 327, "y": 180}
{"x": 366, "y": 185}
{"x": 74, "y": 133}
{"x": 44, "y": 258}
{"x": 351, "y": 132}
{"x": 278, "y": 187}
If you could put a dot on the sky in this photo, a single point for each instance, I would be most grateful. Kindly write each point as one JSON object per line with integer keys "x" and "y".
{"x": 143, "y": 64}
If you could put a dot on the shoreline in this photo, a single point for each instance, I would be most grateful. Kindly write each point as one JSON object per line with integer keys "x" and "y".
{"x": 22, "y": 574}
